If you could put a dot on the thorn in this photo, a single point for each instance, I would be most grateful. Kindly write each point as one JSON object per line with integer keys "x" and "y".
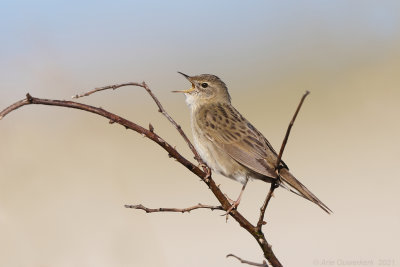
{"x": 264, "y": 223}
{"x": 227, "y": 217}
{"x": 169, "y": 155}
{"x": 143, "y": 135}
{"x": 111, "y": 121}
{"x": 151, "y": 128}
{"x": 29, "y": 98}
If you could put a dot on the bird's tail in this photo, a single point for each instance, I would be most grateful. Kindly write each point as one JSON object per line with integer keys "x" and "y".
{"x": 300, "y": 189}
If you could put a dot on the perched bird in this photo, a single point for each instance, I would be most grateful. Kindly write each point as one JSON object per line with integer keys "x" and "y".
{"x": 229, "y": 144}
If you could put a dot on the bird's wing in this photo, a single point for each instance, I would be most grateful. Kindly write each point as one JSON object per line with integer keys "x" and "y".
{"x": 231, "y": 132}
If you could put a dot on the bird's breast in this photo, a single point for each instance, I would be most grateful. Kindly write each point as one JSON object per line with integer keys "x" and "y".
{"x": 217, "y": 159}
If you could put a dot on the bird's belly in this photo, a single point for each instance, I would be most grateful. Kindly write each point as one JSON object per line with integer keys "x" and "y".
{"x": 219, "y": 161}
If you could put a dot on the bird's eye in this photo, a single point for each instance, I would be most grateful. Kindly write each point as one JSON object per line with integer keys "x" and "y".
{"x": 204, "y": 85}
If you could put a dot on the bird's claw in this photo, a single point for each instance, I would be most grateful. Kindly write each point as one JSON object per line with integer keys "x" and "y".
{"x": 234, "y": 205}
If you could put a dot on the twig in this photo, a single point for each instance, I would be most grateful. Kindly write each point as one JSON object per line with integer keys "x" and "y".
{"x": 275, "y": 183}
{"x": 261, "y": 222}
{"x": 160, "y": 109}
{"x": 178, "y": 127}
{"x": 113, "y": 118}
{"x": 115, "y": 86}
{"x": 198, "y": 206}
{"x": 263, "y": 264}
{"x": 172, "y": 152}
{"x": 14, "y": 106}
{"x": 278, "y": 161}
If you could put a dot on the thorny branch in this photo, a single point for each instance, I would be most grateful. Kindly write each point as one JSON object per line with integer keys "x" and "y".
{"x": 261, "y": 222}
{"x": 263, "y": 264}
{"x": 290, "y": 128}
{"x": 160, "y": 109}
{"x": 275, "y": 184}
{"x": 198, "y": 206}
{"x": 204, "y": 174}
{"x": 115, "y": 86}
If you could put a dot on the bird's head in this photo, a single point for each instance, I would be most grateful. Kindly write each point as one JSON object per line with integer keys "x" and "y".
{"x": 206, "y": 88}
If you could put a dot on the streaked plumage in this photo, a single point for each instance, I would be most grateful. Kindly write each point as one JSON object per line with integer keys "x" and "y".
{"x": 230, "y": 144}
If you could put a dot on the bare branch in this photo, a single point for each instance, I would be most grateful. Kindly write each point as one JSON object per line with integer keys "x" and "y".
{"x": 263, "y": 264}
{"x": 114, "y": 119}
{"x": 261, "y": 221}
{"x": 178, "y": 127}
{"x": 198, "y": 206}
{"x": 14, "y": 106}
{"x": 276, "y": 182}
{"x": 289, "y": 129}
{"x": 115, "y": 86}
{"x": 160, "y": 109}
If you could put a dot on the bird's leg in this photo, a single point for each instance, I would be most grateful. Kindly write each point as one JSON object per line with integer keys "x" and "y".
{"x": 236, "y": 203}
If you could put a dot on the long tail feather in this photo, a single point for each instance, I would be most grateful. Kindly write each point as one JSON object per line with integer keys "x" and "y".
{"x": 302, "y": 191}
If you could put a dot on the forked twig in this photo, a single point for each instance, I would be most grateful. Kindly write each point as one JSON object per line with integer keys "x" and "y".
{"x": 263, "y": 264}
{"x": 160, "y": 109}
{"x": 113, "y": 87}
{"x": 275, "y": 183}
{"x": 198, "y": 206}
{"x": 179, "y": 128}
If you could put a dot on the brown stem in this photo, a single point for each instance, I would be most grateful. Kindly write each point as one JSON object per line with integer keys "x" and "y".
{"x": 263, "y": 264}
{"x": 113, "y": 87}
{"x": 160, "y": 109}
{"x": 261, "y": 221}
{"x": 276, "y": 182}
{"x": 149, "y": 210}
{"x": 278, "y": 161}
{"x": 178, "y": 127}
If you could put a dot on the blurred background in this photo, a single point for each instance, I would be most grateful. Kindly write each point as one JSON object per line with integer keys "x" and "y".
{"x": 65, "y": 175}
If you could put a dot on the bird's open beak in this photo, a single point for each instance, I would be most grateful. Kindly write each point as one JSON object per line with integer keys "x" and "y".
{"x": 188, "y": 90}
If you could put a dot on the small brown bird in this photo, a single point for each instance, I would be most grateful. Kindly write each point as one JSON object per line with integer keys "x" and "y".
{"x": 230, "y": 144}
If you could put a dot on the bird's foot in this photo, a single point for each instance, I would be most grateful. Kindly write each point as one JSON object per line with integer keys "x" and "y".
{"x": 208, "y": 172}
{"x": 202, "y": 165}
{"x": 234, "y": 205}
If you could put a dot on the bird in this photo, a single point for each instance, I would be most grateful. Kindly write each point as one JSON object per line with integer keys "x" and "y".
{"x": 229, "y": 144}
